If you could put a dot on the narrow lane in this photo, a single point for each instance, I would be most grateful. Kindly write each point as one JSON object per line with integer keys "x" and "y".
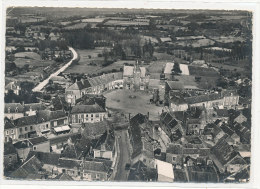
{"x": 42, "y": 84}
{"x": 124, "y": 156}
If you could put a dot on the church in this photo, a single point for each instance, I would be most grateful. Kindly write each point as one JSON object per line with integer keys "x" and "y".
{"x": 135, "y": 77}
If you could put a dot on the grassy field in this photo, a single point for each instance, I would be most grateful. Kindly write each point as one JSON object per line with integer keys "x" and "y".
{"x": 119, "y": 100}
{"x": 29, "y": 55}
{"x": 85, "y": 66}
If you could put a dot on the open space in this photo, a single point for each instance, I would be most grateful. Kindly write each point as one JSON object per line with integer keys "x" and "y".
{"x": 120, "y": 100}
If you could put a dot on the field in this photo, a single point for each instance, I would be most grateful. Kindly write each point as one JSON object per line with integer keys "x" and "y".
{"x": 85, "y": 66}
{"x": 200, "y": 71}
{"x": 30, "y": 58}
{"x": 125, "y": 23}
{"x": 119, "y": 100}
{"x": 76, "y": 26}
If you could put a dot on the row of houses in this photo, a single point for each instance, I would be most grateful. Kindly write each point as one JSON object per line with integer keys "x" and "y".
{"x": 178, "y": 102}
{"x": 88, "y": 155}
{"x": 95, "y": 85}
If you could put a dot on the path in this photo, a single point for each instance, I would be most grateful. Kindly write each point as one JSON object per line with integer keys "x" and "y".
{"x": 42, "y": 84}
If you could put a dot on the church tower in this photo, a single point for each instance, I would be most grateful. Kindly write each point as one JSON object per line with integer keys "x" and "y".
{"x": 137, "y": 76}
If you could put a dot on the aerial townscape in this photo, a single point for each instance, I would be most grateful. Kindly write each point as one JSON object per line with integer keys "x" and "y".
{"x": 127, "y": 95}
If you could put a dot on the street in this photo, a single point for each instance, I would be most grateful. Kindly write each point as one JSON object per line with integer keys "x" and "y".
{"x": 124, "y": 155}
{"x": 42, "y": 84}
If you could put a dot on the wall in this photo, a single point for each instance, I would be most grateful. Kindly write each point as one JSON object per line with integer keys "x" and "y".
{"x": 77, "y": 118}
{"x": 42, "y": 147}
{"x": 162, "y": 178}
{"x": 13, "y": 115}
{"x": 10, "y": 160}
{"x": 12, "y": 134}
{"x": 103, "y": 154}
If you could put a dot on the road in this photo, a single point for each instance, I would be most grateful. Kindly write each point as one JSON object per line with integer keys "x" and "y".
{"x": 42, "y": 84}
{"x": 124, "y": 155}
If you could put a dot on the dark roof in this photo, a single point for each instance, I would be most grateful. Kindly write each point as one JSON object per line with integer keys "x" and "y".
{"x": 31, "y": 166}
{"x": 45, "y": 157}
{"x": 47, "y": 115}
{"x": 9, "y": 148}
{"x": 223, "y": 152}
{"x": 79, "y": 85}
{"x": 174, "y": 149}
{"x": 63, "y": 176}
{"x": 97, "y": 166}
{"x": 95, "y": 108}
{"x": 38, "y": 140}
{"x": 107, "y": 139}
{"x": 24, "y": 121}
{"x": 94, "y": 129}
{"x": 8, "y": 124}
{"x": 202, "y": 174}
{"x": 34, "y": 107}
{"x": 222, "y": 112}
{"x": 227, "y": 130}
{"x": 202, "y": 98}
{"x": 140, "y": 172}
{"x": 69, "y": 163}
{"x": 14, "y": 107}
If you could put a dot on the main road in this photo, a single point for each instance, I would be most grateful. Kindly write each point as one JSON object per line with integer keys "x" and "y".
{"x": 42, "y": 84}
{"x": 124, "y": 155}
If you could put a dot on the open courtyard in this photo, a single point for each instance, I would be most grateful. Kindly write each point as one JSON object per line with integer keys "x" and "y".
{"x": 128, "y": 101}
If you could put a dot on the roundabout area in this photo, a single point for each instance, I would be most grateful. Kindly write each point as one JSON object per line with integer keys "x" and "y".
{"x": 134, "y": 102}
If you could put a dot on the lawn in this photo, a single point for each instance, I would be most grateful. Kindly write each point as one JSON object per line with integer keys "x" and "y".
{"x": 84, "y": 65}
{"x": 120, "y": 100}
{"x": 20, "y": 62}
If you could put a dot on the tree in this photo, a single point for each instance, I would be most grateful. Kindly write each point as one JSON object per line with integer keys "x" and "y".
{"x": 176, "y": 69}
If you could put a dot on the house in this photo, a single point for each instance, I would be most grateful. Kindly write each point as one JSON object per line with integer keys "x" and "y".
{"x": 30, "y": 167}
{"x": 172, "y": 125}
{"x": 234, "y": 138}
{"x": 13, "y": 110}
{"x": 10, "y": 156}
{"x": 177, "y": 154}
{"x": 240, "y": 118}
{"x": 31, "y": 109}
{"x": 25, "y": 127}
{"x": 94, "y": 130}
{"x": 96, "y": 170}
{"x": 88, "y": 114}
{"x": 135, "y": 77}
{"x": 63, "y": 177}
{"x": 143, "y": 144}
{"x": 40, "y": 144}
{"x": 10, "y": 131}
{"x": 105, "y": 147}
{"x": 140, "y": 172}
{"x": 13, "y": 86}
{"x": 223, "y": 154}
{"x": 202, "y": 174}
{"x": 52, "y": 120}
{"x": 77, "y": 147}
{"x": 39, "y": 124}
{"x": 49, "y": 161}
{"x": 164, "y": 171}
{"x": 95, "y": 85}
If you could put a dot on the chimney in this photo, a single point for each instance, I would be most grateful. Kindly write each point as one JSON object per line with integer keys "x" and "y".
{"x": 148, "y": 115}
{"x": 129, "y": 116}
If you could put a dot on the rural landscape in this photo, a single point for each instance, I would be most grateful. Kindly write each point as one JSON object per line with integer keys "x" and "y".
{"x": 127, "y": 95}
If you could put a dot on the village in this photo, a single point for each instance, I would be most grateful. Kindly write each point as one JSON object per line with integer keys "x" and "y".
{"x": 128, "y": 95}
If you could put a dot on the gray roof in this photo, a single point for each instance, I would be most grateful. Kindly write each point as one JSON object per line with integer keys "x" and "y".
{"x": 95, "y": 108}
